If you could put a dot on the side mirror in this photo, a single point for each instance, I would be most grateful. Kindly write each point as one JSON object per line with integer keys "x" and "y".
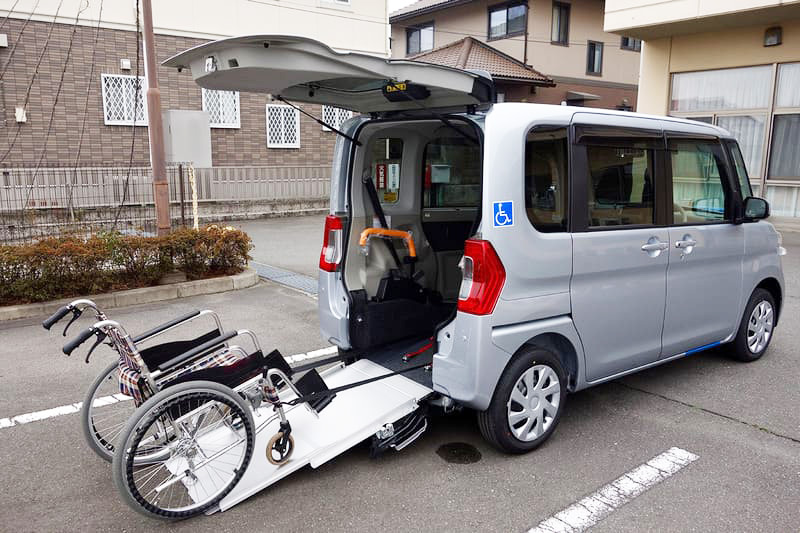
{"x": 755, "y": 208}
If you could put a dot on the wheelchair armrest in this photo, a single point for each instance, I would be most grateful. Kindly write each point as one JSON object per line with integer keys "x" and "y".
{"x": 194, "y": 352}
{"x": 166, "y": 325}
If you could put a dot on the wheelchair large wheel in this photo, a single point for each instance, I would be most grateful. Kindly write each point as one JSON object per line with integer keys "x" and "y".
{"x": 104, "y": 412}
{"x": 212, "y": 443}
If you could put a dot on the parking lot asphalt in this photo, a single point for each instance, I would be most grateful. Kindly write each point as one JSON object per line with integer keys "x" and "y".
{"x": 741, "y": 420}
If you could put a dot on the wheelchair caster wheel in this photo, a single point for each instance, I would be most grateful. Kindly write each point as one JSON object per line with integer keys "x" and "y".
{"x": 279, "y": 449}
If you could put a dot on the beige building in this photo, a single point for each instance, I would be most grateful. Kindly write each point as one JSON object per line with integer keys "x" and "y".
{"x": 563, "y": 40}
{"x": 98, "y": 107}
{"x": 734, "y": 63}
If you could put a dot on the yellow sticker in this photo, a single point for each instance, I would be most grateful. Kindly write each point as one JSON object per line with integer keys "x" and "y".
{"x": 389, "y": 197}
{"x": 396, "y": 87}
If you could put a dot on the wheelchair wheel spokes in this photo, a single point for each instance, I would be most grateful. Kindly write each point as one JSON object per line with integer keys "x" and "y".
{"x": 105, "y": 412}
{"x": 211, "y": 443}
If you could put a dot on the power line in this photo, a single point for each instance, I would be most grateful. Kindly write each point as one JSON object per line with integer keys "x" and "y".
{"x": 136, "y": 92}
{"x": 33, "y": 78}
{"x": 8, "y": 14}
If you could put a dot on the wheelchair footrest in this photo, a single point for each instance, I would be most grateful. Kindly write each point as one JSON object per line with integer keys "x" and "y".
{"x": 310, "y": 383}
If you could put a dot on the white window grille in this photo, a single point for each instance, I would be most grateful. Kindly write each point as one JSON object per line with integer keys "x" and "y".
{"x": 122, "y": 102}
{"x": 335, "y": 116}
{"x": 283, "y": 126}
{"x": 222, "y": 108}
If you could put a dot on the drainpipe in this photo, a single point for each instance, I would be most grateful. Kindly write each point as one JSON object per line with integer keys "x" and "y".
{"x": 525, "y": 46}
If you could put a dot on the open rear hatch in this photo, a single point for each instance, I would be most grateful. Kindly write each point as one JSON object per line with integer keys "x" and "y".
{"x": 305, "y": 70}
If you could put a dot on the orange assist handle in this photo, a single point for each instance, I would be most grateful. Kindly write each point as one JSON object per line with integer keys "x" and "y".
{"x": 390, "y": 233}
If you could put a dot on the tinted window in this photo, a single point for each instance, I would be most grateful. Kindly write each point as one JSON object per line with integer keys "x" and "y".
{"x": 697, "y": 172}
{"x": 452, "y": 173}
{"x": 621, "y": 188}
{"x": 385, "y": 159}
{"x": 546, "y": 179}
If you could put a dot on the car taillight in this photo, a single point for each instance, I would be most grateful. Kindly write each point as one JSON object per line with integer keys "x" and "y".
{"x": 331, "y": 254}
{"x": 483, "y": 278}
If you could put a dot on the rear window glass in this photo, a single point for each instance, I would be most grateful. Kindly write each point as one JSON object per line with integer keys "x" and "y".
{"x": 452, "y": 169}
{"x": 386, "y": 156}
{"x": 546, "y": 179}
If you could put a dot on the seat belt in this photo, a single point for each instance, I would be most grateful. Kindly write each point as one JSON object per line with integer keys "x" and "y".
{"x": 369, "y": 185}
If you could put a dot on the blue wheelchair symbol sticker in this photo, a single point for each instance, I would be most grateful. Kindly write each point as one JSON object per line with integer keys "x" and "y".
{"x": 503, "y": 214}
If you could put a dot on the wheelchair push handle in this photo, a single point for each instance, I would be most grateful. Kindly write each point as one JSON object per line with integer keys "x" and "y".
{"x": 82, "y": 337}
{"x": 55, "y": 317}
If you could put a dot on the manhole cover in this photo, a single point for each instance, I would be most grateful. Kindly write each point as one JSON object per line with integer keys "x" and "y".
{"x": 459, "y": 453}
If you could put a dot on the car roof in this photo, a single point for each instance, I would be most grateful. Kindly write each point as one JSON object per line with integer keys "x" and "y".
{"x": 567, "y": 113}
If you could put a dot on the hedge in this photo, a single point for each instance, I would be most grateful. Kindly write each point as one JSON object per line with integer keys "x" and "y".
{"x": 68, "y": 266}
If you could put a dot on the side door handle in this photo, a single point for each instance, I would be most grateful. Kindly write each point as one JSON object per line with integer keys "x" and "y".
{"x": 654, "y": 247}
{"x": 686, "y": 244}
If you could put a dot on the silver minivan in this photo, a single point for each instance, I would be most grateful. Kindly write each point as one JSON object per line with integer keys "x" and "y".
{"x": 505, "y": 255}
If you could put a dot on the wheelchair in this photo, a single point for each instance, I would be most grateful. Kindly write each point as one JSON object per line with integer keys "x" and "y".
{"x": 180, "y": 431}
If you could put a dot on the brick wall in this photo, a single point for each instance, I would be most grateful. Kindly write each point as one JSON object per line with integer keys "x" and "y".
{"x": 103, "y": 145}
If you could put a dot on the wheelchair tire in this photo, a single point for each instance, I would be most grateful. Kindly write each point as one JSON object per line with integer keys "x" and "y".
{"x": 102, "y": 424}
{"x": 188, "y": 478}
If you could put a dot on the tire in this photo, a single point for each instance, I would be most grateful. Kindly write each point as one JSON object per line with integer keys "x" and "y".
{"x": 756, "y": 328}
{"x": 191, "y": 453}
{"x": 513, "y": 427}
{"x": 102, "y": 424}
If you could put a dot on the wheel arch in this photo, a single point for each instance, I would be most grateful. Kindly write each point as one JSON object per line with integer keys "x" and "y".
{"x": 772, "y": 286}
{"x": 562, "y": 348}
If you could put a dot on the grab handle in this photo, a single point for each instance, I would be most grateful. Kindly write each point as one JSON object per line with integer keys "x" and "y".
{"x": 368, "y": 233}
{"x": 58, "y": 315}
{"x": 82, "y": 337}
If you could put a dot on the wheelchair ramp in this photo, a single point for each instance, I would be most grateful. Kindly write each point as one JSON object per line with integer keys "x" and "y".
{"x": 353, "y": 416}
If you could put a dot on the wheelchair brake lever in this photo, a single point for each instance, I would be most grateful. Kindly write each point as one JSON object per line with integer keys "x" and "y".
{"x": 100, "y": 338}
{"x": 76, "y": 314}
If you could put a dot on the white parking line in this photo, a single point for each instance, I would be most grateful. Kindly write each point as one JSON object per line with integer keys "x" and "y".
{"x": 73, "y": 408}
{"x": 595, "y": 507}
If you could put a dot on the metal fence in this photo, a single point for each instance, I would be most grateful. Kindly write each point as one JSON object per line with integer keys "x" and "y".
{"x": 35, "y": 203}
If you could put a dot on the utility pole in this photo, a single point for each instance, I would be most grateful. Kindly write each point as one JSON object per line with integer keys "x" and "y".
{"x": 155, "y": 127}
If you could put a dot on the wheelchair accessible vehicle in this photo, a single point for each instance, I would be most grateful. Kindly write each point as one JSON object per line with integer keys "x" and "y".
{"x": 494, "y": 257}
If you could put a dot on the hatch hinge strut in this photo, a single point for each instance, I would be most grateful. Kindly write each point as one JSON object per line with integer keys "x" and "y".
{"x": 318, "y": 121}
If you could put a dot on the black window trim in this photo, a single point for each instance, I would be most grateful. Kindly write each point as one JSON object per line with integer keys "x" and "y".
{"x": 732, "y": 201}
{"x": 505, "y": 5}
{"x": 567, "y": 7}
{"x": 602, "y": 53}
{"x": 622, "y": 45}
{"x": 579, "y": 174}
{"x": 418, "y": 27}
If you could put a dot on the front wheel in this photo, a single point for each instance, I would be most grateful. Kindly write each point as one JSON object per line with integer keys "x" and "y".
{"x": 527, "y": 402}
{"x": 209, "y": 447}
{"x": 755, "y": 330}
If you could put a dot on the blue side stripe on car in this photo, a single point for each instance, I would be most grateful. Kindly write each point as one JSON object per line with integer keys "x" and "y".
{"x": 701, "y": 348}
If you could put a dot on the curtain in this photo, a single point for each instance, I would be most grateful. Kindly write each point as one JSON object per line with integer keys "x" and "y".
{"x": 784, "y": 160}
{"x": 788, "y": 85}
{"x": 749, "y": 131}
{"x": 714, "y": 90}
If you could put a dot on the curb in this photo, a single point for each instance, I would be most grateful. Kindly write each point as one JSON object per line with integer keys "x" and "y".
{"x": 143, "y": 295}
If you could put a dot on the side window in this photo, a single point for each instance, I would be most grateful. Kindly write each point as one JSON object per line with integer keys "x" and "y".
{"x": 452, "y": 168}
{"x": 621, "y": 188}
{"x": 546, "y": 179}
{"x": 386, "y": 156}
{"x": 697, "y": 173}
{"x": 741, "y": 169}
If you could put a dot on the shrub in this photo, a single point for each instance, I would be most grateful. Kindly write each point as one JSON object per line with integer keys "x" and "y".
{"x": 61, "y": 267}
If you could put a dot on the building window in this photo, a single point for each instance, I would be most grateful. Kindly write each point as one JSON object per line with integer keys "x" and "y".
{"x": 283, "y": 126}
{"x": 419, "y": 39}
{"x": 507, "y": 20}
{"x": 594, "y": 58}
{"x": 222, "y": 108}
{"x": 559, "y": 33}
{"x": 123, "y": 100}
{"x": 784, "y": 159}
{"x": 335, "y": 116}
{"x": 629, "y": 43}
